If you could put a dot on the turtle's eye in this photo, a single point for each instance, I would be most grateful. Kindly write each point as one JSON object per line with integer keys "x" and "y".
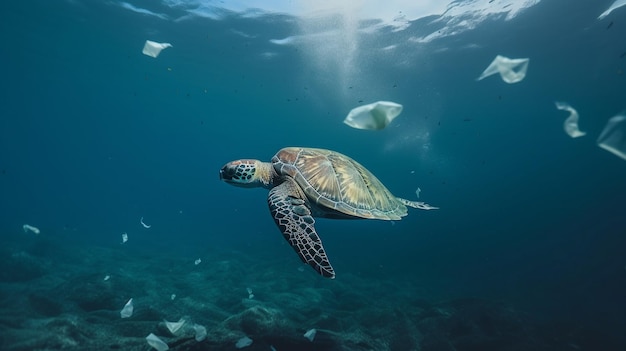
{"x": 227, "y": 172}
{"x": 237, "y": 172}
{"x": 240, "y": 173}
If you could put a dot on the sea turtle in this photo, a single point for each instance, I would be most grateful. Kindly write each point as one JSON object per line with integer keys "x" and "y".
{"x": 305, "y": 183}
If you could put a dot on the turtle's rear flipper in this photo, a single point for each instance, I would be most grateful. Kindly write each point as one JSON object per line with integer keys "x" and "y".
{"x": 292, "y": 215}
{"x": 418, "y": 204}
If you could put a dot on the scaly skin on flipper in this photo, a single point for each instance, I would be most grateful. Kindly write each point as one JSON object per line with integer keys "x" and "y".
{"x": 292, "y": 215}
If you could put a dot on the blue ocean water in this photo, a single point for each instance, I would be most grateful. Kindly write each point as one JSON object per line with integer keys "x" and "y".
{"x": 94, "y": 135}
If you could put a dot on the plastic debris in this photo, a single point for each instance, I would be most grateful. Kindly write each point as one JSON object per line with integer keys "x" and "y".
{"x": 197, "y": 262}
{"x": 571, "y": 123}
{"x": 107, "y": 277}
{"x": 511, "y": 70}
{"x": 124, "y": 237}
{"x": 200, "y": 332}
{"x": 615, "y": 5}
{"x": 173, "y": 297}
{"x": 613, "y": 136}
{"x": 374, "y": 116}
{"x": 243, "y": 342}
{"x": 156, "y": 343}
{"x": 250, "y": 294}
{"x": 127, "y": 311}
{"x": 175, "y": 327}
{"x": 30, "y": 228}
{"x": 144, "y": 224}
{"x": 310, "y": 334}
{"x": 153, "y": 49}
{"x": 417, "y": 192}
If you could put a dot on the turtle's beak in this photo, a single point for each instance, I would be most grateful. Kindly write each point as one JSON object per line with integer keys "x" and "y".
{"x": 226, "y": 173}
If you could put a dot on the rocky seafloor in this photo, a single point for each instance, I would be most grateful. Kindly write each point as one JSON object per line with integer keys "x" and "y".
{"x": 58, "y": 297}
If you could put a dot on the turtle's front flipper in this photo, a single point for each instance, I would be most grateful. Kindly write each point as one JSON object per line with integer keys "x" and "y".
{"x": 292, "y": 215}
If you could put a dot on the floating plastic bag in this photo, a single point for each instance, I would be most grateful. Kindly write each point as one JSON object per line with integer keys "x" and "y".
{"x": 310, "y": 334}
{"x": 243, "y": 342}
{"x": 175, "y": 327}
{"x": 147, "y": 226}
{"x": 613, "y": 137}
{"x": 30, "y": 228}
{"x": 615, "y": 5}
{"x": 127, "y": 311}
{"x": 153, "y": 49}
{"x": 200, "y": 332}
{"x": 571, "y": 123}
{"x": 374, "y": 116}
{"x": 156, "y": 343}
{"x": 511, "y": 70}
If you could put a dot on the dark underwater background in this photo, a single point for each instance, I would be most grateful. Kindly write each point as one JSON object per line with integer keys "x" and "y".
{"x": 527, "y": 250}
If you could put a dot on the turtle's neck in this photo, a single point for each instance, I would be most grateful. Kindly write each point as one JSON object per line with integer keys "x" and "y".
{"x": 266, "y": 174}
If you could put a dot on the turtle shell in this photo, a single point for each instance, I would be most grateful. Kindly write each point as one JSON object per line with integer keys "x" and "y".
{"x": 337, "y": 184}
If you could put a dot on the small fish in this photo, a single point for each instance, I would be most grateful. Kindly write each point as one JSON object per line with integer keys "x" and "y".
{"x": 610, "y": 25}
{"x": 622, "y": 55}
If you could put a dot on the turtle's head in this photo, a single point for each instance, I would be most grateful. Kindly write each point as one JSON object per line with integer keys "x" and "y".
{"x": 247, "y": 173}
